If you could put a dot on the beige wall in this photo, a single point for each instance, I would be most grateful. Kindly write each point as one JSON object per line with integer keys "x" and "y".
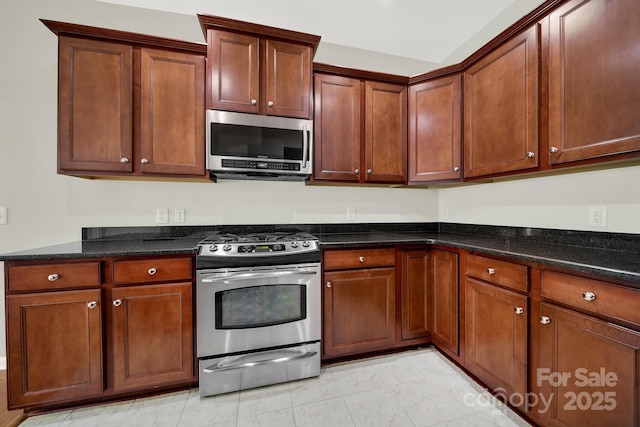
{"x": 46, "y": 208}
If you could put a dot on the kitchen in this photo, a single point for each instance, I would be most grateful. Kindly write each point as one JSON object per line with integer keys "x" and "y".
{"x": 45, "y": 208}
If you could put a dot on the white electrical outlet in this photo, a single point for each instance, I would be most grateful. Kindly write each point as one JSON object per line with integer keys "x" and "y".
{"x": 179, "y": 214}
{"x": 351, "y": 214}
{"x": 162, "y": 216}
{"x": 4, "y": 219}
{"x": 598, "y": 216}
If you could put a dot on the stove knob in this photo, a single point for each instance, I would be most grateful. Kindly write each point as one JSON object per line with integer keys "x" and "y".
{"x": 294, "y": 244}
{"x": 213, "y": 248}
{"x": 226, "y": 247}
{"x": 305, "y": 243}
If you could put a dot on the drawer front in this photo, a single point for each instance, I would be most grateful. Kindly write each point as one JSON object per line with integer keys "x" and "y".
{"x": 591, "y": 295}
{"x": 359, "y": 258}
{"x": 152, "y": 270}
{"x": 503, "y": 273}
{"x": 54, "y": 276}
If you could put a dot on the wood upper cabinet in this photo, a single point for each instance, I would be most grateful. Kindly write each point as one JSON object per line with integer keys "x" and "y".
{"x": 152, "y": 335}
{"x": 594, "y": 83}
{"x": 501, "y": 109}
{"x": 414, "y": 291}
{"x": 588, "y": 370}
{"x": 95, "y": 105}
{"x": 251, "y": 74}
{"x": 54, "y": 342}
{"x": 360, "y": 130}
{"x": 442, "y": 309}
{"x": 435, "y": 130}
{"x": 172, "y": 113}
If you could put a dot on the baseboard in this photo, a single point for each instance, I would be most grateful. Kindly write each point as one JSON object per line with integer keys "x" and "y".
{"x": 3, "y": 363}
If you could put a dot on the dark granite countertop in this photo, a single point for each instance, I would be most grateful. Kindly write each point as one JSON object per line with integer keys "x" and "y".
{"x": 614, "y": 255}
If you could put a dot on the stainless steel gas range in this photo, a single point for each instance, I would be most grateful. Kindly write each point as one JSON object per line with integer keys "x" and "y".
{"x": 258, "y": 310}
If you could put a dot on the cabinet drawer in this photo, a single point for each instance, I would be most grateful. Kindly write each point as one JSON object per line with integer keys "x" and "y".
{"x": 54, "y": 276}
{"x": 151, "y": 270}
{"x": 591, "y": 295}
{"x": 359, "y": 258}
{"x": 503, "y": 273}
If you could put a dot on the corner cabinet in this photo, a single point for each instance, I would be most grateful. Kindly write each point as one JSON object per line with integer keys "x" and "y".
{"x": 360, "y": 130}
{"x": 501, "y": 109}
{"x": 414, "y": 307}
{"x": 443, "y": 300}
{"x": 594, "y": 84}
{"x": 129, "y": 105}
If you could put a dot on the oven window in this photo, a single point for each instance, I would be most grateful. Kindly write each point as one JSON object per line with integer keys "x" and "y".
{"x": 258, "y": 306}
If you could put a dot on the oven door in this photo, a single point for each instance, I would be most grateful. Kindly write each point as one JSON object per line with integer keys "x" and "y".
{"x": 244, "y": 309}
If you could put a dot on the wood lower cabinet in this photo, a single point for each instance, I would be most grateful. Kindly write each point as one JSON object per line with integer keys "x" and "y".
{"x": 414, "y": 296}
{"x": 443, "y": 301}
{"x": 54, "y": 342}
{"x": 589, "y": 371}
{"x": 501, "y": 109}
{"x": 496, "y": 337}
{"x": 594, "y": 85}
{"x": 152, "y": 335}
{"x": 435, "y": 130}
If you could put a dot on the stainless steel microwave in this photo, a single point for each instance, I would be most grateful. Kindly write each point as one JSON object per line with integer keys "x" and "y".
{"x": 251, "y": 146}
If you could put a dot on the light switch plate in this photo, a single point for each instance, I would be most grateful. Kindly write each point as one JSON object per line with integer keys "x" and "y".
{"x": 162, "y": 216}
{"x": 4, "y": 219}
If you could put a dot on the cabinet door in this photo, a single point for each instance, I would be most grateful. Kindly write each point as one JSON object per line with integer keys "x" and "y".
{"x": 172, "y": 113}
{"x": 435, "y": 130}
{"x": 593, "y": 79}
{"x": 385, "y": 132}
{"x": 443, "y": 299}
{"x": 496, "y": 336}
{"x": 95, "y": 106}
{"x": 288, "y": 76}
{"x": 54, "y": 347}
{"x": 152, "y": 335}
{"x": 359, "y": 311}
{"x": 413, "y": 296}
{"x": 501, "y": 109}
{"x": 337, "y": 128}
{"x": 234, "y": 70}
{"x": 590, "y": 369}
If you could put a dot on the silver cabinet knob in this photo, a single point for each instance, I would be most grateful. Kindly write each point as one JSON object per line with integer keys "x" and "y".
{"x": 361, "y": 259}
{"x": 369, "y": 171}
{"x": 270, "y": 103}
{"x": 491, "y": 270}
{"x": 152, "y": 271}
{"x": 328, "y": 284}
{"x": 545, "y": 320}
{"x": 254, "y": 102}
{"x": 92, "y": 304}
{"x": 588, "y": 296}
{"x": 117, "y": 303}
{"x": 553, "y": 150}
{"x": 456, "y": 169}
{"x": 519, "y": 310}
{"x": 144, "y": 161}
{"x": 124, "y": 160}
{"x": 53, "y": 277}
{"x": 357, "y": 171}
{"x": 531, "y": 154}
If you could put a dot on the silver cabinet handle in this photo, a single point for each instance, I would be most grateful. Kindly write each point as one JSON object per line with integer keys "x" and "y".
{"x": 531, "y": 154}
{"x": 329, "y": 284}
{"x": 92, "y": 304}
{"x": 152, "y": 271}
{"x": 369, "y": 171}
{"x": 491, "y": 270}
{"x": 270, "y": 103}
{"x": 545, "y": 320}
{"x": 519, "y": 310}
{"x": 117, "y": 303}
{"x": 588, "y": 296}
{"x": 124, "y": 160}
{"x": 53, "y": 277}
{"x": 361, "y": 259}
{"x": 254, "y": 102}
{"x": 456, "y": 169}
{"x": 553, "y": 150}
{"x": 357, "y": 171}
{"x": 144, "y": 161}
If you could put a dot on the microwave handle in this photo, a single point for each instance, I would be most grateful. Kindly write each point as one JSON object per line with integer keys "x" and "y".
{"x": 305, "y": 147}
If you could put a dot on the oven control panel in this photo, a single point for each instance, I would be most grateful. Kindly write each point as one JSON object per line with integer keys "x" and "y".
{"x": 257, "y": 249}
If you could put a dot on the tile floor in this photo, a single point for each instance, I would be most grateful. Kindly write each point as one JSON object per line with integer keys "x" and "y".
{"x": 413, "y": 388}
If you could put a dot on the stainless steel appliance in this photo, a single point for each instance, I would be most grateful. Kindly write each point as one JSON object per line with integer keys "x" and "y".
{"x": 258, "y": 310}
{"x": 251, "y": 146}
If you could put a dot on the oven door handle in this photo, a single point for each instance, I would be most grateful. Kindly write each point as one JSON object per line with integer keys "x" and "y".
{"x": 244, "y": 276}
{"x": 270, "y": 357}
